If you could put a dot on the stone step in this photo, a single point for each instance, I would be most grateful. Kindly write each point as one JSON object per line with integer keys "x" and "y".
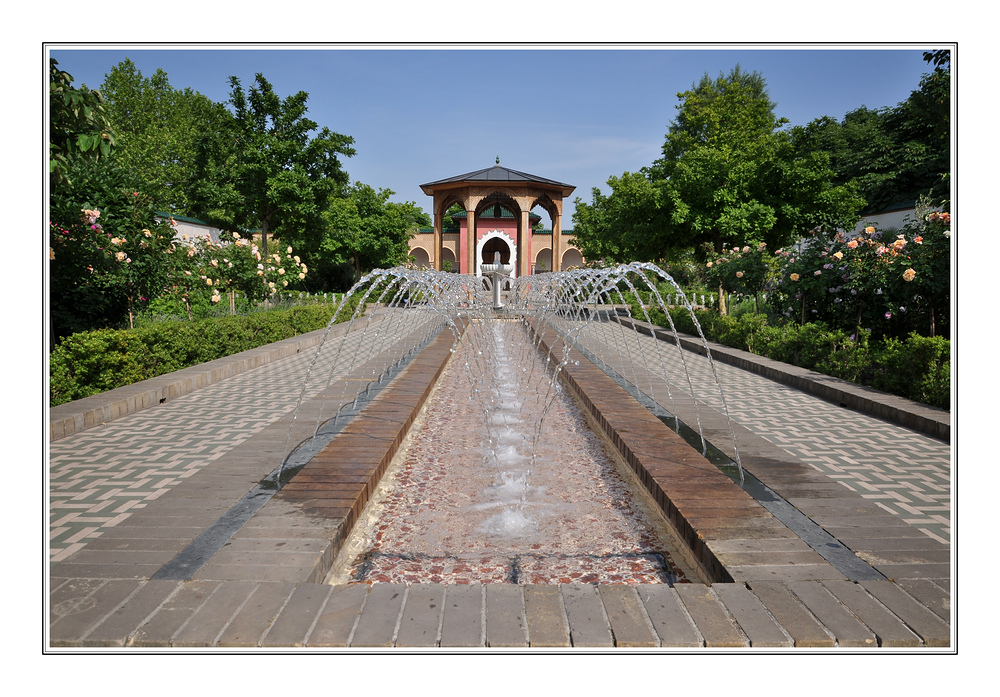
{"x": 499, "y": 616}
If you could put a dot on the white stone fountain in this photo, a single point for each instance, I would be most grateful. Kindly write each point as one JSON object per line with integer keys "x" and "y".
{"x": 497, "y": 272}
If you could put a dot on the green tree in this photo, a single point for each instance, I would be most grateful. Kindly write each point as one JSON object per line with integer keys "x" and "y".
{"x": 625, "y": 225}
{"x": 277, "y": 174}
{"x": 730, "y": 177}
{"x": 158, "y": 129}
{"x": 367, "y": 231}
{"x": 448, "y": 221}
{"x": 78, "y": 124}
{"x": 891, "y": 155}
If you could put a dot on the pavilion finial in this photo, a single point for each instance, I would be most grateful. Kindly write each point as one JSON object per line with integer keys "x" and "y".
{"x": 498, "y": 159}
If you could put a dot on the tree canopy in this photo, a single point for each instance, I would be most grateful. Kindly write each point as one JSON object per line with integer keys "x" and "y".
{"x": 892, "y": 155}
{"x": 275, "y": 170}
{"x": 728, "y": 177}
{"x": 365, "y": 230}
{"x": 78, "y": 124}
{"x": 158, "y": 130}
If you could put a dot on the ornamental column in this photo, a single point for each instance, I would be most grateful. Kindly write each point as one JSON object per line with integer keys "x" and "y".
{"x": 438, "y": 238}
{"x": 557, "y": 242}
{"x": 470, "y": 246}
{"x": 524, "y": 245}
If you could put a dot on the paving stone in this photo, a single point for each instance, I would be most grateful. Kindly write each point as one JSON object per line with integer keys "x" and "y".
{"x": 545, "y": 615}
{"x": 932, "y": 630}
{"x": 784, "y": 572}
{"x": 65, "y": 594}
{"x": 668, "y": 616}
{"x": 335, "y": 623}
{"x": 210, "y": 619}
{"x": 140, "y": 572}
{"x": 296, "y": 618}
{"x": 792, "y": 615}
{"x": 172, "y": 615}
{"x": 841, "y": 622}
{"x": 505, "y": 622}
{"x": 710, "y": 616}
{"x": 78, "y": 606}
{"x": 462, "y": 624}
{"x": 270, "y": 573}
{"x": 934, "y": 572}
{"x": 421, "y": 618}
{"x": 588, "y": 623}
{"x": 753, "y": 618}
{"x": 253, "y": 619}
{"x": 887, "y": 627}
{"x": 117, "y": 628}
{"x": 929, "y": 594}
{"x": 629, "y": 624}
{"x": 377, "y": 624}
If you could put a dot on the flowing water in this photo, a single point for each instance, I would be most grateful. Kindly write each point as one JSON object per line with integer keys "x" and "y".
{"x": 465, "y": 503}
{"x": 501, "y": 479}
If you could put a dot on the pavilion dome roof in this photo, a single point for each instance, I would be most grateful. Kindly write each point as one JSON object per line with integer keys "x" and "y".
{"x": 498, "y": 174}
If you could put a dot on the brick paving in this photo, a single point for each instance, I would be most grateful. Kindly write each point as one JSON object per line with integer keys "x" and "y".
{"x": 100, "y": 476}
{"x": 507, "y": 617}
{"x": 144, "y": 508}
{"x": 905, "y": 472}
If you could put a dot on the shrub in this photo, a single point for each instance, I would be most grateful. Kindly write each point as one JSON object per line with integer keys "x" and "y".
{"x": 88, "y": 363}
{"x": 916, "y": 368}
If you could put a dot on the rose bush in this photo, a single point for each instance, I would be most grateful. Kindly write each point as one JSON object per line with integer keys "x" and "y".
{"x": 203, "y": 271}
{"x": 743, "y": 272}
{"x": 105, "y": 262}
{"x": 889, "y": 282}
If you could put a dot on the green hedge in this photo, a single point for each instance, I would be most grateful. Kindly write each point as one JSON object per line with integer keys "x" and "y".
{"x": 917, "y": 368}
{"x": 89, "y": 363}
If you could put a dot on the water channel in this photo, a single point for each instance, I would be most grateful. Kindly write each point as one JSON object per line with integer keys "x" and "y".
{"x": 483, "y": 498}
{"x": 501, "y": 479}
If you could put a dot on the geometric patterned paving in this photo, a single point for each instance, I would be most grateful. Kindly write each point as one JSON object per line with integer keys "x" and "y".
{"x": 903, "y": 471}
{"x": 99, "y": 476}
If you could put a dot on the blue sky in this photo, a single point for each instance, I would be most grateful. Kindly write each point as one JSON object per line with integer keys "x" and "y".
{"x": 577, "y": 115}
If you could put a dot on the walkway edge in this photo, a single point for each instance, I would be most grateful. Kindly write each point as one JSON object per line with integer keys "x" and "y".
{"x": 99, "y": 409}
{"x": 926, "y": 419}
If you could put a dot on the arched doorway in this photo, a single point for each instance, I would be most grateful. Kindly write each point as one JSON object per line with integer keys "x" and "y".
{"x": 543, "y": 261}
{"x": 496, "y": 241}
{"x": 448, "y": 260}
{"x": 572, "y": 258}
{"x": 420, "y": 258}
{"x": 492, "y": 246}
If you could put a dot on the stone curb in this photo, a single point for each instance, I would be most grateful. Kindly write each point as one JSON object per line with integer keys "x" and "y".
{"x": 96, "y": 410}
{"x": 928, "y": 420}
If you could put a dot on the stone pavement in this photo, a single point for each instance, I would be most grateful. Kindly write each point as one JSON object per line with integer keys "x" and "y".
{"x": 906, "y": 472}
{"x": 139, "y": 502}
